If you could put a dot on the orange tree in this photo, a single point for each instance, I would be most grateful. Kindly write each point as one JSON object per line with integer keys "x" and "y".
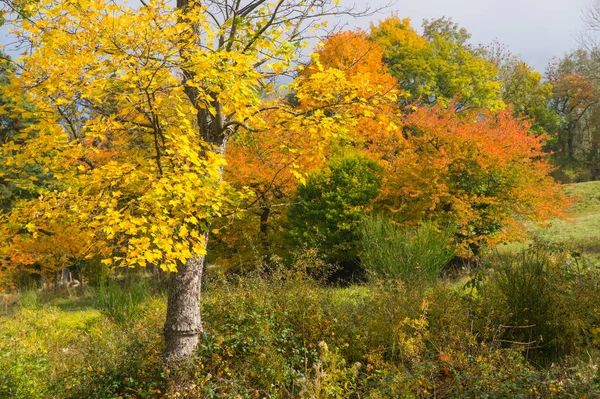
{"x": 135, "y": 108}
{"x": 482, "y": 172}
{"x": 271, "y": 161}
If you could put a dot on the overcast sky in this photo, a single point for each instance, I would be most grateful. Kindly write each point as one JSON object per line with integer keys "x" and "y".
{"x": 535, "y": 29}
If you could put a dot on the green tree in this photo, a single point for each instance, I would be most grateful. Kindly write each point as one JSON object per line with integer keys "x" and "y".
{"x": 525, "y": 90}
{"x": 329, "y": 208}
{"x": 439, "y": 66}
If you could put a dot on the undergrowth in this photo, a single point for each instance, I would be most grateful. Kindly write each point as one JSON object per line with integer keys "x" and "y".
{"x": 286, "y": 335}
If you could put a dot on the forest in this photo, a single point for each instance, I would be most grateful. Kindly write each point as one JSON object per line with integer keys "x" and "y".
{"x": 240, "y": 199}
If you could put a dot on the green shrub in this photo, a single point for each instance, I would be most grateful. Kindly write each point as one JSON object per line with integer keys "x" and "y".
{"x": 542, "y": 300}
{"x": 524, "y": 281}
{"x": 330, "y": 206}
{"x": 390, "y": 251}
{"x": 331, "y": 377}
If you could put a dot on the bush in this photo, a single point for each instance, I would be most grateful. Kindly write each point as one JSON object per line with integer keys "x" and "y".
{"x": 523, "y": 280}
{"x": 288, "y": 336}
{"x": 331, "y": 204}
{"x": 419, "y": 254}
{"x": 542, "y": 300}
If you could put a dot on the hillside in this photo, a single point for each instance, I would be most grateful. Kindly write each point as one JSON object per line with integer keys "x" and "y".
{"x": 581, "y": 231}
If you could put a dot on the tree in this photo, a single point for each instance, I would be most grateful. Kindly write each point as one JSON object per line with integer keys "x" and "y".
{"x": 481, "y": 172}
{"x": 439, "y": 66}
{"x": 11, "y": 124}
{"x": 477, "y": 171}
{"x": 136, "y": 109}
{"x": 25, "y": 255}
{"x": 578, "y": 78}
{"x": 524, "y": 90}
{"x": 447, "y": 29}
{"x": 331, "y": 205}
{"x": 575, "y": 95}
{"x": 270, "y": 162}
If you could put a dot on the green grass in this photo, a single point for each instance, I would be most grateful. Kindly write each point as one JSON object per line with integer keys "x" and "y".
{"x": 581, "y": 231}
{"x": 68, "y": 346}
{"x": 589, "y": 194}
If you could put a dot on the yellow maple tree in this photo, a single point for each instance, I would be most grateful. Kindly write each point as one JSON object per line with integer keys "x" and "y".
{"x": 135, "y": 108}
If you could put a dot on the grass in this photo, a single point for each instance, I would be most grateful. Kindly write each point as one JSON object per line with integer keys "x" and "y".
{"x": 279, "y": 338}
{"x": 69, "y": 347}
{"x": 414, "y": 255}
{"x": 581, "y": 231}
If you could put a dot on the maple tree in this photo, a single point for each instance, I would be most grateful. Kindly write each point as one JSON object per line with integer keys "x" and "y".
{"x": 11, "y": 123}
{"x": 270, "y": 161}
{"x": 481, "y": 172}
{"x": 135, "y": 110}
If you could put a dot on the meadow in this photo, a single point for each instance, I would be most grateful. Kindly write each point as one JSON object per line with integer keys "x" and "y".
{"x": 523, "y": 323}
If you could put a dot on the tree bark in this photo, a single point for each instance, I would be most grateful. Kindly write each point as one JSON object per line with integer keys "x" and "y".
{"x": 183, "y": 326}
{"x": 264, "y": 228}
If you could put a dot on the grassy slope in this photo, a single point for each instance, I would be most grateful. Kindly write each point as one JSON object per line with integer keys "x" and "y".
{"x": 582, "y": 230}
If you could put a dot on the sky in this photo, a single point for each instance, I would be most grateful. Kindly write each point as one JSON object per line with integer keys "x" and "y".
{"x": 537, "y": 30}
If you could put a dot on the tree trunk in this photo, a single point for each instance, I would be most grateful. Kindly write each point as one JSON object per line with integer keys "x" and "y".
{"x": 183, "y": 326}
{"x": 61, "y": 279}
{"x": 571, "y": 145}
{"x": 264, "y": 228}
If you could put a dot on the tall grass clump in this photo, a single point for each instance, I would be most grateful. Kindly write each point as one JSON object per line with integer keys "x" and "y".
{"x": 121, "y": 301}
{"x": 418, "y": 254}
{"x": 526, "y": 298}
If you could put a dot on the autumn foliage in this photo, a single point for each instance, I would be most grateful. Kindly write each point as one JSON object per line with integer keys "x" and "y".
{"x": 130, "y": 180}
{"x": 483, "y": 173}
{"x": 438, "y": 66}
